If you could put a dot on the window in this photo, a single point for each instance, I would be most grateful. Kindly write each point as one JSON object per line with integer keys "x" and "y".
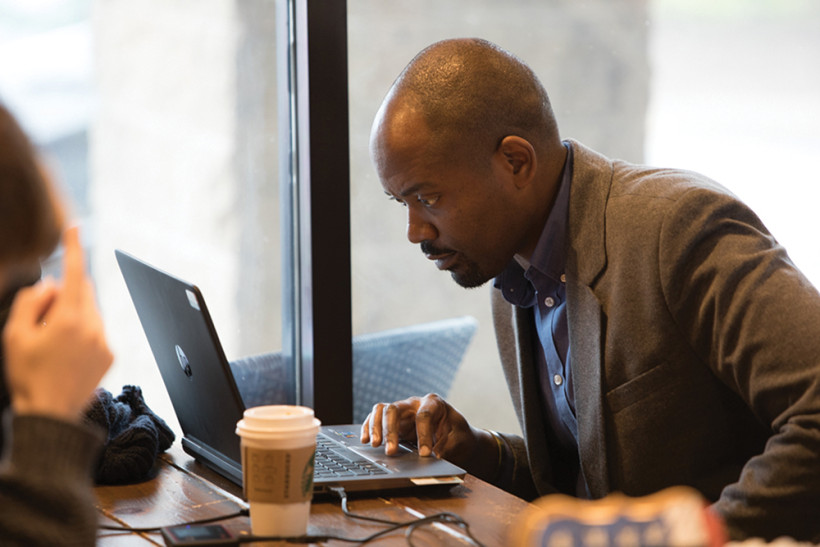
{"x": 161, "y": 119}
{"x": 726, "y": 88}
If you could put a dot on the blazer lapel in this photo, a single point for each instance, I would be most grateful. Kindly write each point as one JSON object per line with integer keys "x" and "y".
{"x": 586, "y": 260}
{"x": 530, "y": 400}
{"x": 587, "y": 386}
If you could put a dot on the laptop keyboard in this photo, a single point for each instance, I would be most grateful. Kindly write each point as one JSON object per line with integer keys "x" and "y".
{"x": 334, "y": 460}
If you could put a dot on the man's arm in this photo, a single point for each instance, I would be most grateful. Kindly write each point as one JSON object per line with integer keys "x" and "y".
{"x": 755, "y": 319}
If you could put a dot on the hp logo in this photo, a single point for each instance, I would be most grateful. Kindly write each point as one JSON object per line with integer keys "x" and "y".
{"x": 183, "y": 362}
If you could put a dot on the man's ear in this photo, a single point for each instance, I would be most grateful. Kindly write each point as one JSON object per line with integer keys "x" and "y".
{"x": 518, "y": 157}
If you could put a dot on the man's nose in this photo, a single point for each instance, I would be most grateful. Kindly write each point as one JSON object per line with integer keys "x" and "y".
{"x": 419, "y": 229}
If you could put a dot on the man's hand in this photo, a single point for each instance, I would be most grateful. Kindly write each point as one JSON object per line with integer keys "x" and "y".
{"x": 437, "y": 428}
{"x": 54, "y": 342}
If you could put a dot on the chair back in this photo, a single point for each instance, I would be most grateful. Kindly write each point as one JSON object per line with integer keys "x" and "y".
{"x": 395, "y": 364}
{"x": 388, "y": 366}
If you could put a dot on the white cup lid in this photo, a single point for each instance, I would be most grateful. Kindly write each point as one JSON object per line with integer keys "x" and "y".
{"x": 277, "y": 419}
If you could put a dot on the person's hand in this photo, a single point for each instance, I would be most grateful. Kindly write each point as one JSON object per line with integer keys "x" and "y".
{"x": 436, "y": 427}
{"x": 54, "y": 342}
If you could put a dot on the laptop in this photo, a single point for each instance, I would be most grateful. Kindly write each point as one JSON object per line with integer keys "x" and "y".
{"x": 207, "y": 401}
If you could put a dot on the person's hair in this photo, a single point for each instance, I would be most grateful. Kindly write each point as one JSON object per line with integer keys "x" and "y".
{"x": 472, "y": 91}
{"x": 29, "y": 223}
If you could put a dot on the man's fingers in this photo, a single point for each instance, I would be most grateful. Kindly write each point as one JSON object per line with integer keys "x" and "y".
{"x": 430, "y": 412}
{"x": 364, "y": 434}
{"x": 390, "y": 428}
{"x": 390, "y": 423}
{"x": 376, "y": 425}
{"x": 442, "y": 436}
{"x": 439, "y": 429}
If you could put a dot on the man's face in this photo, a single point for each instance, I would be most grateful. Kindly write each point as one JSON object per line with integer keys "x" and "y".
{"x": 458, "y": 212}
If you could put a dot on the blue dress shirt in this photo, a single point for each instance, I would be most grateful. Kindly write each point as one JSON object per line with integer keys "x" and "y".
{"x": 540, "y": 284}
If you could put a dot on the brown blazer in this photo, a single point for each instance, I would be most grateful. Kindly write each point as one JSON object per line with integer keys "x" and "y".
{"x": 695, "y": 351}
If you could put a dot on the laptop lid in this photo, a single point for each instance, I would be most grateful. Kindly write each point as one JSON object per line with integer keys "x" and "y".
{"x": 208, "y": 403}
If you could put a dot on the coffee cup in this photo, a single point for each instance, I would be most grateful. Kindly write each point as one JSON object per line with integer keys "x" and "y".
{"x": 278, "y": 444}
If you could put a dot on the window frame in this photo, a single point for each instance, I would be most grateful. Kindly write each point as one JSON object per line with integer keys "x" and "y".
{"x": 315, "y": 203}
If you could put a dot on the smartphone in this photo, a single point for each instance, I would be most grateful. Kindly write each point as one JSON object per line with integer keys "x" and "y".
{"x": 197, "y": 535}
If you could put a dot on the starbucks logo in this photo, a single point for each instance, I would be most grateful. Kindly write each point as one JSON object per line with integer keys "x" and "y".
{"x": 307, "y": 476}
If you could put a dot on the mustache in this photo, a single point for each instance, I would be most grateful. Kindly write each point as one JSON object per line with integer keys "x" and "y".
{"x": 429, "y": 249}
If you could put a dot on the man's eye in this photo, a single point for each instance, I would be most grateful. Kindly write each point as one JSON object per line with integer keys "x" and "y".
{"x": 397, "y": 200}
{"x": 428, "y": 201}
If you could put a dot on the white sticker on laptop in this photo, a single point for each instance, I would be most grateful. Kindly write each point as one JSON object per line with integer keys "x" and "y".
{"x": 192, "y": 299}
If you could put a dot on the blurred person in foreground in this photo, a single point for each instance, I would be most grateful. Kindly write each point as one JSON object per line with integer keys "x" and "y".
{"x": 54, "y": 355}
{"x": 652, "y": 331}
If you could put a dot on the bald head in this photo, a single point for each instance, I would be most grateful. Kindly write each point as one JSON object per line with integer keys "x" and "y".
{"x": 467, "y": 142}
{"x": 470, "y": 91}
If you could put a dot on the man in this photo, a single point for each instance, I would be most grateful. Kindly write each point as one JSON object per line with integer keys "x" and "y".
{"x": 54, "y": 354}
{"x": 652, "y": 332}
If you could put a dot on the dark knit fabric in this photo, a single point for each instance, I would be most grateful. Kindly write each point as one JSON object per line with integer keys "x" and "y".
{"x": 135, "y": 436}
{"x": 45, "y": 483}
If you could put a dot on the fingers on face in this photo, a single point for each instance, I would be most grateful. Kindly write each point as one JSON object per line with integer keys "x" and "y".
{"x": 76, "y": 296}
{"x": 74, "y": 279}
{"x": 31, "y": 304}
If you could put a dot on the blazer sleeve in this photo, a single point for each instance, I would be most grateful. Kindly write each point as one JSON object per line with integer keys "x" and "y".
{"x": 754, "y": 318}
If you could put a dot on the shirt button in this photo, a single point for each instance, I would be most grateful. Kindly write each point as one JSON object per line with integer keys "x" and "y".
{"x": 549, "y": 302}
{"x": 557, "y": 380}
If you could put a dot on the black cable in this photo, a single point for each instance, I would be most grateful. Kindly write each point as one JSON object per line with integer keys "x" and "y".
{"x": 412, "y": 525}
{"x": 392, "y": 526}
{"x": 317, "y": 539}
{"x": 439, "y": 517}
{"x": 444, "y": 518}
{"x": 340, "y": 492}
{"x": 156, "y": 529}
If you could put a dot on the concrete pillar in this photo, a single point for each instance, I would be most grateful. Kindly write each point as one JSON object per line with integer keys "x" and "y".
{"x": 184, "y": 165}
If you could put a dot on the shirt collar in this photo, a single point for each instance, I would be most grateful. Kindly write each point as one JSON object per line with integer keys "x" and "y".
{"x": 516, "y": 280}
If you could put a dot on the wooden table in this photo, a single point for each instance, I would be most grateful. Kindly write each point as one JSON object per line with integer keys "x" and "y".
{"x": 183, "y": 490}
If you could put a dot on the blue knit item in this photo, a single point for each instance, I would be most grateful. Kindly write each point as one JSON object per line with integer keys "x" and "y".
{"x": 135, "y": 436}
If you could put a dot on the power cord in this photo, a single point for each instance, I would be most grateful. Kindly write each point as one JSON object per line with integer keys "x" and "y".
{"x": 412, "y": 525}
{"x": 392, "y": 526}
{"x": 157, "y": 529}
